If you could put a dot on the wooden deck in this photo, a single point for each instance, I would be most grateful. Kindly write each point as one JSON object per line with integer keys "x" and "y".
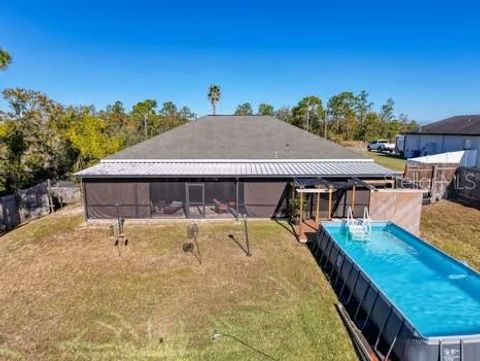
{"x": 307, "y": 230}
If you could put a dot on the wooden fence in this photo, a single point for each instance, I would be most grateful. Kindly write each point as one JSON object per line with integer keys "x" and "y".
{"x": 35, "y": 202}
{"x": 436, "y": 178}
{"x": 467, "y": 185}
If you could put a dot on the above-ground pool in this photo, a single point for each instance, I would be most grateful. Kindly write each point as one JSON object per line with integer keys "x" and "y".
{"x": 411, "y": 301}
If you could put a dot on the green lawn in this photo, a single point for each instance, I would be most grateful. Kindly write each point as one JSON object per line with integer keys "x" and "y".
{"x": 454, "y": 228}
{"x": 391, "y": 161}
{"x": 67, "y": 294}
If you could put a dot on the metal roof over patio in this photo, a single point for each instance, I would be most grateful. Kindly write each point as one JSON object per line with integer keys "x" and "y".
{"x": 252, "y": 168}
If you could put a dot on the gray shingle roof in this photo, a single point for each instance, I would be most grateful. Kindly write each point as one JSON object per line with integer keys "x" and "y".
{"x": 236, "y": 137}
{"x": 460, "y": 124}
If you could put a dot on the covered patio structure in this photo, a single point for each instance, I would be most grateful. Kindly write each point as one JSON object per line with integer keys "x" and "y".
{"x": 324, "y": 199}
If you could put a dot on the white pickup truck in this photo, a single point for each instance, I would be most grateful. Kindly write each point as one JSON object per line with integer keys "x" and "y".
{"x": 381, "y": 145}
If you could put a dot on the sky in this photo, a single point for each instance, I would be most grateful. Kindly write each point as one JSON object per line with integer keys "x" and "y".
{"x": 423, "y": 54}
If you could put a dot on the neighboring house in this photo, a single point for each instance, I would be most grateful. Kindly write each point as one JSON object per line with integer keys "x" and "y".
{"x": 449, "y": 135}
{"x": 217, "y": 166}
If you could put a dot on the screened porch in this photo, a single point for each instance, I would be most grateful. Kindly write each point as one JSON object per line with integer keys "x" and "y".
{"x": 186, "y": 198}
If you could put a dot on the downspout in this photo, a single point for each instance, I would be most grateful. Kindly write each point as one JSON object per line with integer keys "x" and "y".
{"x": 237, "y": 197}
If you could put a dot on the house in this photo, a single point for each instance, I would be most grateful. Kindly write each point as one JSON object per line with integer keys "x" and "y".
{"x": 219, "y": 167}
{"x": 457, "y": 133}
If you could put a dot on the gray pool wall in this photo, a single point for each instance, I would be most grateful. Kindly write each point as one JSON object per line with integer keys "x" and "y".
{"x": 372, "y": 311}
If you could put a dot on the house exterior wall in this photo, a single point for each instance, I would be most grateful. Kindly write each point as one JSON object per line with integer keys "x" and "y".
{"x": 427, "y": 144}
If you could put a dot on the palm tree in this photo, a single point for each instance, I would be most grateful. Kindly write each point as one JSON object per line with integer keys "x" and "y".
{"x": 214, "y": 93}
{"x": 5, "y": 59}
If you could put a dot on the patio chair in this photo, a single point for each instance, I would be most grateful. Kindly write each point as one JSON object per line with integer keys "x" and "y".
{"x": 173, "y": 207}
{"x": 220, "y": 207}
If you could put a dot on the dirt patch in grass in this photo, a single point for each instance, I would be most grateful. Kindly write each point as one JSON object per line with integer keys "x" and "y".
{"x": 65, "y": 293}
{"x": 455, "y": 228}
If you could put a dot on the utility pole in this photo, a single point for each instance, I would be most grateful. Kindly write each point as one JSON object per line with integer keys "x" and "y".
{"x": 145, "y": 125}
{"x": 307, "y": 118}
{"x": 310, "y": 109}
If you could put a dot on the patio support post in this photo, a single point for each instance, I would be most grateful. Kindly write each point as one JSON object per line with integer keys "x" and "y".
{"x": 84, "y": 199}
{"x": 236, "y": 198}
{"x": 353, "y": 200}
{"x": 301, "y": 215}
{"x": 317, "y": 212}
{"x": 329, "y": 203}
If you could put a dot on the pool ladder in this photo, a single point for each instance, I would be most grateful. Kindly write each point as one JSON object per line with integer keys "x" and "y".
{"x": 359, "y": 230}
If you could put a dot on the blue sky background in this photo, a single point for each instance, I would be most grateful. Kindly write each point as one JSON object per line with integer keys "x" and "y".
{"x": 424, "y": 54}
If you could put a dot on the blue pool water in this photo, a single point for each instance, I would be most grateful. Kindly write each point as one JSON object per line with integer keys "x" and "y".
{"x": 438, "y": 294}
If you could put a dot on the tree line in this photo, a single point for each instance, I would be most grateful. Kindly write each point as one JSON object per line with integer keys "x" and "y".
{"x": 345, "y": 117}
{"x": 42, "y": 139}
